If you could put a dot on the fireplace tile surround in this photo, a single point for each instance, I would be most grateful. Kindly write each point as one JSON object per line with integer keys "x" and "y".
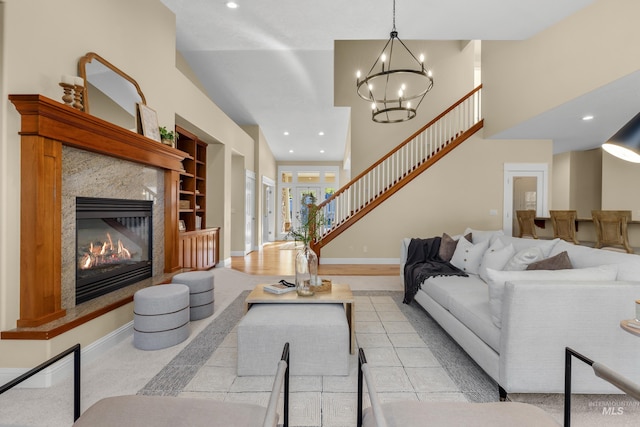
{"x": 87, "y": 174}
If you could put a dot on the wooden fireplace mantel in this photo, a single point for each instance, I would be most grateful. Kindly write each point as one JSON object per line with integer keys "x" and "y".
{"x": 46, "y": 126}
{"x": 44, "y": 117}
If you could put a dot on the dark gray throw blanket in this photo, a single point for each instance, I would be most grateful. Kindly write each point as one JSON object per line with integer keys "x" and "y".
{"x": 423, "y": 262}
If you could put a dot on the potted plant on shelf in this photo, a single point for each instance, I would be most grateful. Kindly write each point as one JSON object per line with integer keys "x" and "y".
{"x": 168, "y": 137}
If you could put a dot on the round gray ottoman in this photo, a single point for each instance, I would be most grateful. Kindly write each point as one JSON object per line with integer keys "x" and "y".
{"x": 200, "y": 285}
{"x": 160, "y": 316}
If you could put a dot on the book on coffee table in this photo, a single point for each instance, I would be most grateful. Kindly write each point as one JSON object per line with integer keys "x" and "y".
{"x": 279, "y": 288}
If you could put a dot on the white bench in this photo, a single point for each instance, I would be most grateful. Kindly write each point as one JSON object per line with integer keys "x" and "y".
{"x": 318, "y": 334}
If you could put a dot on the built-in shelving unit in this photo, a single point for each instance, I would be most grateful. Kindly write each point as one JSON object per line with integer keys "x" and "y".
{"x": 198, "y": 245}
{"x": 193, "y": 181}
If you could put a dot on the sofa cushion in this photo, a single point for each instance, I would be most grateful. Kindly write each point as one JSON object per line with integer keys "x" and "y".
{"x": 523, "y": 258}
{"x": 448, "y": 246}
{"x": 556, "y": 262}
{"x": 480, "y": 236}
{"x": 467, "y": 256}
{"x": 472, "y": 309}
{"x": 520, "y": 243}
{"x": 496, "y": 257}
{"x": 497, "y": 280}
{"x": 583, "y": 256}
{"x": 442, "y": 288}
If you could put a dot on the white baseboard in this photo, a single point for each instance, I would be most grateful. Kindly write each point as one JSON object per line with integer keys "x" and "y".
{"x": 225, "y": 262}
{"x": 64, "y": 368}
{"x": 324, "y": 260}
{"x": 238, "y": 253}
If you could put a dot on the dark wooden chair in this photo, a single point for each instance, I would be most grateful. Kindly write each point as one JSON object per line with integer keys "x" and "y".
{"x": 611, "y": 229}
{"x": 526, "y": 223}
{"x": 564, "y": 225}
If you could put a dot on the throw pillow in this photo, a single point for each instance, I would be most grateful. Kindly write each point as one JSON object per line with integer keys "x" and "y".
{"x": 448, "y": 246}
{"x": 520, "y": 243}
{"x": 496, "y": 257}
{"x": 523, "y": 258}
{"x": 497, "y": 280}
{"x": 480, "y": 236}
{"x": 467, "y": 256}
{"x": 557, "y": 262}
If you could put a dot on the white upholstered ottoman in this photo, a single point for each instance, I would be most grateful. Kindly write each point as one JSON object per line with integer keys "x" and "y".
{"x": 200, "y": 285}
{"x": 160, "y": 316}
{"x": 318, "y": 335}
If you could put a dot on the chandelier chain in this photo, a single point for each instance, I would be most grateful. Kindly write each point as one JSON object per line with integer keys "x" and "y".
{"x": 394, "y": 15}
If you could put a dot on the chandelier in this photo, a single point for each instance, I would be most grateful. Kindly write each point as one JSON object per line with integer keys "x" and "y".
{"x": 395, "y": 93}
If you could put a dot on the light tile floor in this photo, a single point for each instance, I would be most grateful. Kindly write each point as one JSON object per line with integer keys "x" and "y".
{"x": 402, "y": 364}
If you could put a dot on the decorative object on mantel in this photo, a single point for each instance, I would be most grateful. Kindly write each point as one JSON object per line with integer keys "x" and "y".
{"x": 73, "y": 91}
{"x": 148, "y": 121}
{"x": 168, "y": 137}
{"x": 391, "y": 91}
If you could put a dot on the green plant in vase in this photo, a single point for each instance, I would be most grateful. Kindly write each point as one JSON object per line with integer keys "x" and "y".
{"x": 306, "y": 262}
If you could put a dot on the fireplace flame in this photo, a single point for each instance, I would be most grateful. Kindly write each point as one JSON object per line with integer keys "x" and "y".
{"x": 102, "y": 253}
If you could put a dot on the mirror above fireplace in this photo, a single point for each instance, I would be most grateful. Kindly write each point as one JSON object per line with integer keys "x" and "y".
{"x": 109, "y": 93}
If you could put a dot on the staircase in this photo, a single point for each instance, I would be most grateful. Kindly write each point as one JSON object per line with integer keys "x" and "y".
{"x": 399, "y": 167}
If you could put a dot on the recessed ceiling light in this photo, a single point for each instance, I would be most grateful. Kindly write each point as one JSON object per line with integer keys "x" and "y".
{"x": 587, "y": 118}
{"x": 232, "y": 5}
{"x": 322, "y": 151}
{"x": 286, "y": 133}
{"x": 320, "y": 133}
{"x": 291, "y": 151}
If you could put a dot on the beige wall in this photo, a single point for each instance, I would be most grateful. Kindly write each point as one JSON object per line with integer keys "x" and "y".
{"x": 522, "y": 79}
{"x": 238, "y": 200}
{"x": 620, "y": 185}
{"x": 577, "y": 181}
{"x": 561, "y": 183}
{"x": 457, "y": 192}
{"x": 37, "y": 48}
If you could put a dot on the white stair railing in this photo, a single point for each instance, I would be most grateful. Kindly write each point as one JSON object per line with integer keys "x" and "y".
{"x": 378, "y": 179}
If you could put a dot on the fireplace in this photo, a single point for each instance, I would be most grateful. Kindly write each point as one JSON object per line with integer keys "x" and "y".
{"x": 113, "y": 245}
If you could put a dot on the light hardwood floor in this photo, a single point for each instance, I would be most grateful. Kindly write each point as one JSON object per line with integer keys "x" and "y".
{"x": 277, "y": 258}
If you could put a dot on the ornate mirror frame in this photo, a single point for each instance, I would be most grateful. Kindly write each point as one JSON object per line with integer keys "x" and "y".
{"x": 82, "y": 72}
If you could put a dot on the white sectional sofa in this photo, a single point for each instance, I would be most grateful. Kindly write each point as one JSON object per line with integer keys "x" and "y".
{"x": 519, "y": 339}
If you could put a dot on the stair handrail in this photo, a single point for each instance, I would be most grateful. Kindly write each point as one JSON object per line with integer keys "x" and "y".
{"x": 399, "y": 166}
{"x": 398, "y": 147}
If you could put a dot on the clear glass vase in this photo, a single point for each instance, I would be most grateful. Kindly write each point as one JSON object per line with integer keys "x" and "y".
{"x": 306, "y": 271}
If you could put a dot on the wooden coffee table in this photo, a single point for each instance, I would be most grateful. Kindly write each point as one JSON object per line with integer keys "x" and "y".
{"x": 340, "y": 294}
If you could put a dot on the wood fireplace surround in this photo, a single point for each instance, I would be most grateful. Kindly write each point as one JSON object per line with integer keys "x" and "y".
{"x": 46, "y": 126}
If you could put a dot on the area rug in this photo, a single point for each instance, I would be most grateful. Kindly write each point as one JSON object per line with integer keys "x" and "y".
{"x": 463, "y": 371}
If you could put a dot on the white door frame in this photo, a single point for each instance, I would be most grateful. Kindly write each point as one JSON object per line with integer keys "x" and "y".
{"x": 269, "y": 213}
{"x": 250, "y": 211}
{"x": 513, "y": 170}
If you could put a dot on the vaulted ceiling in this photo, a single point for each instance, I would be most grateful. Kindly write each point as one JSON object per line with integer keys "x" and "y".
{"x": 270, "y": 62}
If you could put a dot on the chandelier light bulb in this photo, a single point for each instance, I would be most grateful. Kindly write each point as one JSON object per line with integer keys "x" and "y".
{"x": 408, "y": 105}
{"x": 403, "y": 86}
{"x": 373, "y": 105}
{"x": 400, "y": 93}
{"x": 421, "y": 57}
{"x": 383, "y": 57}
{"x": 429, "y": 73}
{"x": 358, "y": 74}
{"x": 370, "y": 86}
